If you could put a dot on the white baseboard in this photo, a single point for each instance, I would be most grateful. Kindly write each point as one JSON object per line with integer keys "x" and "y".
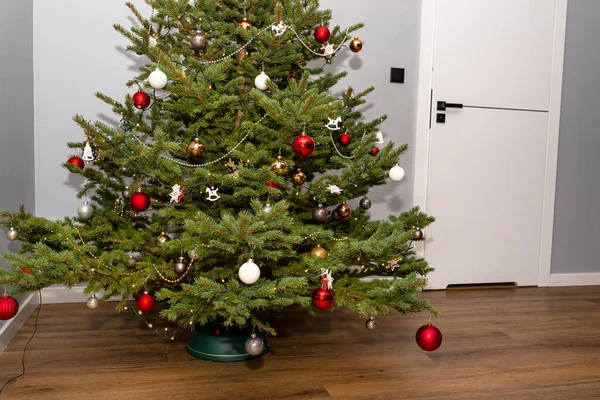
{"x": 12, "y": 326}
{"x": 587, "y": 279}
{"x": 61, "y": 294}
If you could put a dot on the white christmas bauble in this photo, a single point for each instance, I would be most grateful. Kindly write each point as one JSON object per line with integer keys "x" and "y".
{"x": 261, "y": 81}
{"x": 157, "y": 79}
{"x": 397, "y": 173}
{"x": 249, "y": 272}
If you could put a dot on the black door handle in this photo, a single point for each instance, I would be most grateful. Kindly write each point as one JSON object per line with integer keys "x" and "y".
{"x": 442, "y": 105}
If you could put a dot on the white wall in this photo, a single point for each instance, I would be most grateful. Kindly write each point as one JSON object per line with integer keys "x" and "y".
{"x": 77, "y": 53}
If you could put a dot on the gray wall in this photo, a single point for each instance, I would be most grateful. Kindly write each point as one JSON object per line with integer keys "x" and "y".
{"x": 69, "y": 72}
{"x": 16, "y": 111}
{"x": 391, "y": 39}
{"x": 577, "y": 217}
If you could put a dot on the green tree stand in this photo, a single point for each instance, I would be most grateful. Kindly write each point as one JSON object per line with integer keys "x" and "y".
{"x": 215, "y": 342}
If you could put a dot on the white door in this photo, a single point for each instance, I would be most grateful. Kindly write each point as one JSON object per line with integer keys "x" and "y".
{"x": 486, "y": 171}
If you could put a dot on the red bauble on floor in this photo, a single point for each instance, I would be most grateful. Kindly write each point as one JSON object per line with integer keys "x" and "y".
{"x": 345, "y": 140}
{"x": 77, "y": 161}
{"x": 428, "y": 337}
{"x": 139, "y": 201}
{"x": 322, "y": 34}
{"x": 141, "y": 100}
{"x": 145, "y": 302}
{"x": 303, "y": 145}
{"x": 9, "y": 307}
{"x": 322, "y": 299}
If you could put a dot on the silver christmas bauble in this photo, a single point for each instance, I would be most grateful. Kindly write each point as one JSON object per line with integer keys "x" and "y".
{"x": 180, "y": 267}
{"x": 371, "y": 324}
{"x": 365, "y": 203}
{"x": 93, "y": 302}
{"x": 418, "y": 234}
{"x": 126, "y": 193}
{"x": 85, "y": 211}
{"x": 268, "y": 208}
{"x": 198, "y": 42}
{"x": 320, "y": 213}
{"x": 254, "y": 345}
{"x": 192, "y": 254}
{"x": 12, "y": 234}
{"x": 131, "y": 261}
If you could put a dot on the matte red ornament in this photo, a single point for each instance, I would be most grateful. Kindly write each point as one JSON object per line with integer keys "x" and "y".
{"x": 374, "y": 151}
{"x": 77, "y": 161}
{"x": 303, "y": 145}
{"x": 428, "y": 337}
{"x": 141, "y": 100}
{"x": 322, "y": 298}
{"x": 9, "y": 307}
{"x": 145, "y": 302}
{"x": 273, "y": 185}
{"x": 345, "y": 140}
{"x": 139, "y": 201}
{"x": 322, "y": 34}
{"x": 25, "y": 270}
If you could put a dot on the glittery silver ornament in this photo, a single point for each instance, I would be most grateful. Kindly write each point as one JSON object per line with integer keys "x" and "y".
{"x": 320, "y": 213}
{"x": 418, "y": 234}
{"x": 126, "y": 193}
{"x": 267, "y": 208}
{"x": 85, "y": 211}
{"x": 192, "y": 254}
{"x": 371, "y": 324}
{"x": 12, "y": 234}
{"x": 254, "y": 345}
{"x": 131, "y": 261}
{"x": 92, "y": 302}
{"x": 198, "y": 42}
{"x": 365, "y": 203}
{"x": 180, "y": 266}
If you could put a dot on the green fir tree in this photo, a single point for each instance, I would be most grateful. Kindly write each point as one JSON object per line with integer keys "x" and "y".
{"x": 211, "y": 57}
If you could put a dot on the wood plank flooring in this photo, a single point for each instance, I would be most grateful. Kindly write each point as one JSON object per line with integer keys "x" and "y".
{"x": 525, "y": 343}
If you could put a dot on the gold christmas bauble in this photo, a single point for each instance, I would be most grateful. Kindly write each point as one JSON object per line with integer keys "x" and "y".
{"x": 279, "y": 166}
{"x": 196, "y": 148}
{"x": 245, "y": 24}
{"x": 299, "y": 177}
{"x": 344, "y": 210}
{"x": 318, "y": 252}
{"x": 356, "y": 45}
{"x": 163, "y": 238}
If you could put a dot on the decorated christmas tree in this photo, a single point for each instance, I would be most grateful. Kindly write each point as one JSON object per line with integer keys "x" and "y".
{"x": 235, "y": 183}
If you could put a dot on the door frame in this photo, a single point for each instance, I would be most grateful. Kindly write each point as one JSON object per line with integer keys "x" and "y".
{"x": 422, "y": 142}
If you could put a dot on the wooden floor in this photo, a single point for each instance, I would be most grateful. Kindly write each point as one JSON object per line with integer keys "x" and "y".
{"x": 524, "y": 343}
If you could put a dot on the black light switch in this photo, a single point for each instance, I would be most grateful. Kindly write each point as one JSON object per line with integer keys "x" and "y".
{"x": 397, "y": 75}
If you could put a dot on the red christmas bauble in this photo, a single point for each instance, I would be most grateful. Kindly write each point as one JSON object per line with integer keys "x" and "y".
{"x": 322, "y": 34}
{"x": 428, "y": 337}
{"x": 9, "y": 307}
{"x": 303, "y": 146}
{"x": 273, "y": 185}
{"x": 77, "y": 161}
{"x": 139, "y": 201}
{"x": 345, "y": 140}
{"x": 374, "y": 151}
{"x": 25, "y": 270}
{"x": 145, "y": 302}
{"x": 141, "y": 100}
{"x": 322, "y": 298}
